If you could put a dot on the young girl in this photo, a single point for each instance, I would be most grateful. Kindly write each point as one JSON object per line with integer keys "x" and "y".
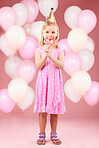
{"x": 49, "y": 98}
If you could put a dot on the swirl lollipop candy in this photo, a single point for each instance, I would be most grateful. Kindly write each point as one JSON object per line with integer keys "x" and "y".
{"x": 50, "y": 41}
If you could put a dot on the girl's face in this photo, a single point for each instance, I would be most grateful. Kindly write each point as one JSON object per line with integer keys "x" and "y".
{"x": 50, "y": 32}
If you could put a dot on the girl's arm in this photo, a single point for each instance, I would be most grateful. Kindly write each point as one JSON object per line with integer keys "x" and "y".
{"x": 38, "y": 60}
{"x": 58, "y": 63}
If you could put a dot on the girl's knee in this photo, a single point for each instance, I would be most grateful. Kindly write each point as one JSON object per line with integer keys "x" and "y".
{"x": 43, "y": 114}
{"x": 54, "y": 115}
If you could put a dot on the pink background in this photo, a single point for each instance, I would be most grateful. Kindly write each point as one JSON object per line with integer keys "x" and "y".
{"x": 79, "y": 126}
{"x": 80, "y": 109}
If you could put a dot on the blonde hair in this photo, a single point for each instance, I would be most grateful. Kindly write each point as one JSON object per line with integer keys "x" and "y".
{"x": 42, "y": 37}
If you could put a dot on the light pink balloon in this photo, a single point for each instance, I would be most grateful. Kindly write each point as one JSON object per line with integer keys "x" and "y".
{"x": 27, "y": 70}
{"x": 92, "y": 96}
{"x": 87, "y": 20}
{"x": 33, "y": 9}
{"x": 7, "y": 17}
{"x": 63, "y": 44}
{"x": 6, "y": 103}
{"x": 27, "y": 51}
{"x": 72, "y": 63}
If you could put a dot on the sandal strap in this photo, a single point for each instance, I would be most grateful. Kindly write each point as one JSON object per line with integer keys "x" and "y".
{"x": 55, "y": 139}
{"x": 54, "y": 136}
{"x": 41, "y": 139}
{"x": 42, "y": 135}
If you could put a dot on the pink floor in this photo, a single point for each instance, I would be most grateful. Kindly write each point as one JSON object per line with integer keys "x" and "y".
{"x": 22, "y": 132}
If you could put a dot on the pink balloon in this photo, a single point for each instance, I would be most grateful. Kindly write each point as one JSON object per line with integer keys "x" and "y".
{"x": 92, "y": 96}
{"x": 63, "y": 44}
{"x": 6, "y": 103}
{"x": 87, "y": 20}
{"x": 33, "y": 9}
{"x": 72, "y": 63}
{"x": 26, "y": 70}
{"x": 27, "y": 51}
{"x": 7, "y": 17}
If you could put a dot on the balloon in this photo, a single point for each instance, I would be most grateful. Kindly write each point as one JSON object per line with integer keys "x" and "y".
{"x": 35, "y": 30}
{"x": 77, "y": 39}
{"x": 81, "y": 82}
{"x": 32, "y": 8}
{"x": 6, "y": 103}
{"x": 28, "y": 100}
{"x": 70, "y": 93}
{"x": 21, "y": 13}
{"x": 90, "y": 44}
{"x": 7, "y": 17}
{"x": 16, "y": 37}
{"x": 87, "y": 58}
{"x": 17, "y": 89}
{"x": 63, "y": 44}
{"x": 26, "y": 28}
{"x": 70, "y": 16}
{"x": 92, "y": 96}
{"x": 87, "y": 20}
{"x": 46, "y": 5}
{"x": 27, "y": 51}
{"x": 72, "y": 63}
{"x": 27, "y": 70}
{"x": 5, "y": 47}
{"x": 11, "y": 65}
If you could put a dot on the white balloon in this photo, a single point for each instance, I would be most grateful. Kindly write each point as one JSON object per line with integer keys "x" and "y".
{"x": 35, "y": 30}
{"x": 28, "y": 100}
{"x": 11, "y": 66}
{"x": 5, "y": 47}
{"x": 90, "y": 44}
{"x": 46, "y": 5}
{"x": 26, "y": 28}
{"x": 81, "y": 82}
{"x": 15, "y": 36}
{"x": 87, "y": 58}
{"x": 77, "y": 39}
{"x": 21, "y": 13}
{"x": 70, "y": 93}
{"x": 17, "y": 89}
{"x": 70, "y": 16}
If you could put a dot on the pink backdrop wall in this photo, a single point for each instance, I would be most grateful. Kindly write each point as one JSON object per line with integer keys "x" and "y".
{"x": 80, "y": 109}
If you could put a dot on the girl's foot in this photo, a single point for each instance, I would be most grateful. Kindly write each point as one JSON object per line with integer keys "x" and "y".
{"x": 54, "y": 138}
{"x": 41, "y": 140}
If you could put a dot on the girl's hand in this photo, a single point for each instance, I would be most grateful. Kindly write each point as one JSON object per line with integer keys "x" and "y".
{"x": 46, "y": 47}
{"x": 48, "y": 53}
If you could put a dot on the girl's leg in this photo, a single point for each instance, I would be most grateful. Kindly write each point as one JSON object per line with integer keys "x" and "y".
{"x": 42, "y": 122}
{"x": 42, "y": 125}
{"x": 53, "y": 122}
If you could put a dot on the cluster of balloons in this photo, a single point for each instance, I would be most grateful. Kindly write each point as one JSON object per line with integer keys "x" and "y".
{"x": 21, "y": 35}
{"x": 79, "y": 57}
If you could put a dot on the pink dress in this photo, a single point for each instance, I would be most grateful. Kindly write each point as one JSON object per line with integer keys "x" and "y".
{"x": 49, "y": 94}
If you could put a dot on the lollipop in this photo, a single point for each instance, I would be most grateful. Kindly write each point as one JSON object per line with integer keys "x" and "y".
{"x": 50, "y": 42}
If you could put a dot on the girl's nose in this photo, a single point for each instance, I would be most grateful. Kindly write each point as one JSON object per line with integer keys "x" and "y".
{"x": 50, "y": 34}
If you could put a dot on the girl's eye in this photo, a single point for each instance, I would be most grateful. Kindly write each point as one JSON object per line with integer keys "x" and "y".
{"x": 53, "y": 32}
{"x": 47, "y": 31}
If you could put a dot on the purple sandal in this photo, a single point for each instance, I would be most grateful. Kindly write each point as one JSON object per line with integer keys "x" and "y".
{"x": 41, "y": 140}
{"x": 54, "y": 138}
